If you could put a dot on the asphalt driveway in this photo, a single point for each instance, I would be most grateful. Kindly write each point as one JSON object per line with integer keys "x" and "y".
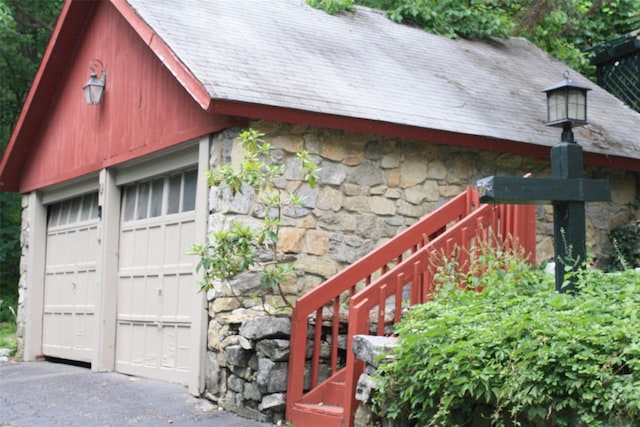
{"x": 54, "y": 394}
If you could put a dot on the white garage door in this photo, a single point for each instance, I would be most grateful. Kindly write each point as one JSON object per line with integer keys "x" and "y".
{"x": 70, "y": 287}
{"x": 156, "y": 288}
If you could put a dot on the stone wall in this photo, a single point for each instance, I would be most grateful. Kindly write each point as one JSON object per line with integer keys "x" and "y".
{"x": 22, "y": 284}
{"x": 370, "y": 189}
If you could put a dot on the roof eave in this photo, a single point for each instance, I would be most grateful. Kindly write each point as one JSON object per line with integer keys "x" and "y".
{"x": 353, "y": 124}
{"x": 164, "y": 53}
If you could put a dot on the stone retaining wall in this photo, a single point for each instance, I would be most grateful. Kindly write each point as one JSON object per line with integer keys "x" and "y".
{"x": 370, "y": 189}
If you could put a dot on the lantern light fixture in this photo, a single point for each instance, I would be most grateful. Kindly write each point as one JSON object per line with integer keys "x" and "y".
{"x": 94, "y": 88}
{"x": 566, "y": 105}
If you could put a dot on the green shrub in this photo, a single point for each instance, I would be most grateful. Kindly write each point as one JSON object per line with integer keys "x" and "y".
{"x": 518, "y": 353}
{"x": 8, "y": 336}
{"x": 626, "y": 247}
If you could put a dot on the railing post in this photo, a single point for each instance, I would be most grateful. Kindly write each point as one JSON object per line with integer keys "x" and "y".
{"x": 295, "y": 383}
{"x": 359, "y": 326}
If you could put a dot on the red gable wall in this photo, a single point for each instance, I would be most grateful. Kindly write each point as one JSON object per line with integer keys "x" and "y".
{"x": 144, "y": 108}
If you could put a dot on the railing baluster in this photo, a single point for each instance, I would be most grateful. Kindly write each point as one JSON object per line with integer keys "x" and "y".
{"x": 334, "y": 335}
{"x": 315, "y": 360}
{"x": 381, "y": 308}
{"x": 398, "y": 297}
{"x": 416, "y": 285}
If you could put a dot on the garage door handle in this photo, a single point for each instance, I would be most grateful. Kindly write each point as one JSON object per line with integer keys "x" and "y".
{"x": 159, "y": 292}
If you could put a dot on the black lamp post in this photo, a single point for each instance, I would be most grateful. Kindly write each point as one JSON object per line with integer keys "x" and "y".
{"x": 567, "y": 107}
{"x": 567, "y": 189}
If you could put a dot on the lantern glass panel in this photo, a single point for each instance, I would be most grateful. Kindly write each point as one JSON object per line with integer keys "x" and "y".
{"x": 577, "y": 105}
{"x": 557, "y": 105}
{"x": 87, "y": 94}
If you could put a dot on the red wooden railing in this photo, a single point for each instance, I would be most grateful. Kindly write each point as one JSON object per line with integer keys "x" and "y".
{"x": 397, "y": 269}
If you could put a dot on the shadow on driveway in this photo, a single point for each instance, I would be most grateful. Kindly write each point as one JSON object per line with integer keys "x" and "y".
{"x": 55, "y": 394}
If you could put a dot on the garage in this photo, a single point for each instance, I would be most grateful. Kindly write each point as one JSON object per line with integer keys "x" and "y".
{"x": 70, "y": 284}
{"x": 156, "y": 286}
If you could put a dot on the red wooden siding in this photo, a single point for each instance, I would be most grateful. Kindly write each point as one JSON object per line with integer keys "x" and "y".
{"x": 144, "y": 108}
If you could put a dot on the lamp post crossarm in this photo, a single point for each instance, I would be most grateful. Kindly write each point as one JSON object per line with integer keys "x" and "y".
{"x": 516, "y": 190}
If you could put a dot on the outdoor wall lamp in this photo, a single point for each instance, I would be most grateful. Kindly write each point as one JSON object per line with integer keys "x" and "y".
{"x": 566, "y": 106}
{"x": 94, "y": 88}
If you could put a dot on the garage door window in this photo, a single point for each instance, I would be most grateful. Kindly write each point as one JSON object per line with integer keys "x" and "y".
{"x": 79, "y": 209}
{"x": 169, "y": 195}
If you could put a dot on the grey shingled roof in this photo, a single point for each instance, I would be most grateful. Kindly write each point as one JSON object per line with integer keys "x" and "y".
{"x": 359, "y": 64}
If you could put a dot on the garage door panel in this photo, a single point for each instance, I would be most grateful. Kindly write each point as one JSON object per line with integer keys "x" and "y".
{"x": 154, "y": 296}
{"x": 186, "y": 241}
{"x": 173, "y": 234}
{"x": 156, "y": 286}
{"x": 156, "y": 243}
{"x": 182, "y": 347}
{"x": 127, "y": 248}
{"x": 141, "y": 247}
{"x": 70, "y": 288}
{"x": 185, "y": 296}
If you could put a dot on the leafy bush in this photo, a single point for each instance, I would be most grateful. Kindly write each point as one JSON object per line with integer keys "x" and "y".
{"x": 626, "y": 247}
{"x": 8, "y": 336}
{"x": 518, "y": 353}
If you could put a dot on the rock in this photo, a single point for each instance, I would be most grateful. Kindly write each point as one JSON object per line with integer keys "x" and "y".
{"x": 213, "y": 373}
{"x": 364, "y": 417}
{"x": 238, "y": 316}
{"x": 237, "y": 356}
{"x": 252, "y": 391}
{"x": 235, "y": 383}
{"x": 372, "y": 348}
{"x": 274, "y": 402}
{"x": 276, "y": 349}
{"x": 272, "y": 376}
{"x": 258, "y": 328}
{"x": 367, "y": 175}
{"x": 413, "y": 172}
{"x": 364, "y": 387}
{"x": 333, "y": 173}
{"x": 236, "y": 340}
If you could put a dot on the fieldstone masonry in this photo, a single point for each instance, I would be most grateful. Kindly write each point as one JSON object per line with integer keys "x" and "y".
{"x": 370, "y": 188}
{"x": 22, "y": 284}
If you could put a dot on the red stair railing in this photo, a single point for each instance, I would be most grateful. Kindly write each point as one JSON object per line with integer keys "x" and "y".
{"x": 510, "y": 226}
{"x": 320, "y": 309}
{"x": 323, "y": 303}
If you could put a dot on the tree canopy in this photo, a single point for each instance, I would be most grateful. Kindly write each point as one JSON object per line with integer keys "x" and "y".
{"x": 563, "y": 28}
{"x": 25, "y": 28}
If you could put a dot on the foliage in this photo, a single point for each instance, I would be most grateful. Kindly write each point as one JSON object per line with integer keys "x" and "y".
{"x": 241, "y": 248}
{"x": 8, "y": 336}
{"x": 626, "y": 247}
{"x": 332, "y": 7}
{"x": 563, "y": 28}
{"x": 518, "y": 353}
{"x": 25, "y": 27}
{"x": 451, "y": 18}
